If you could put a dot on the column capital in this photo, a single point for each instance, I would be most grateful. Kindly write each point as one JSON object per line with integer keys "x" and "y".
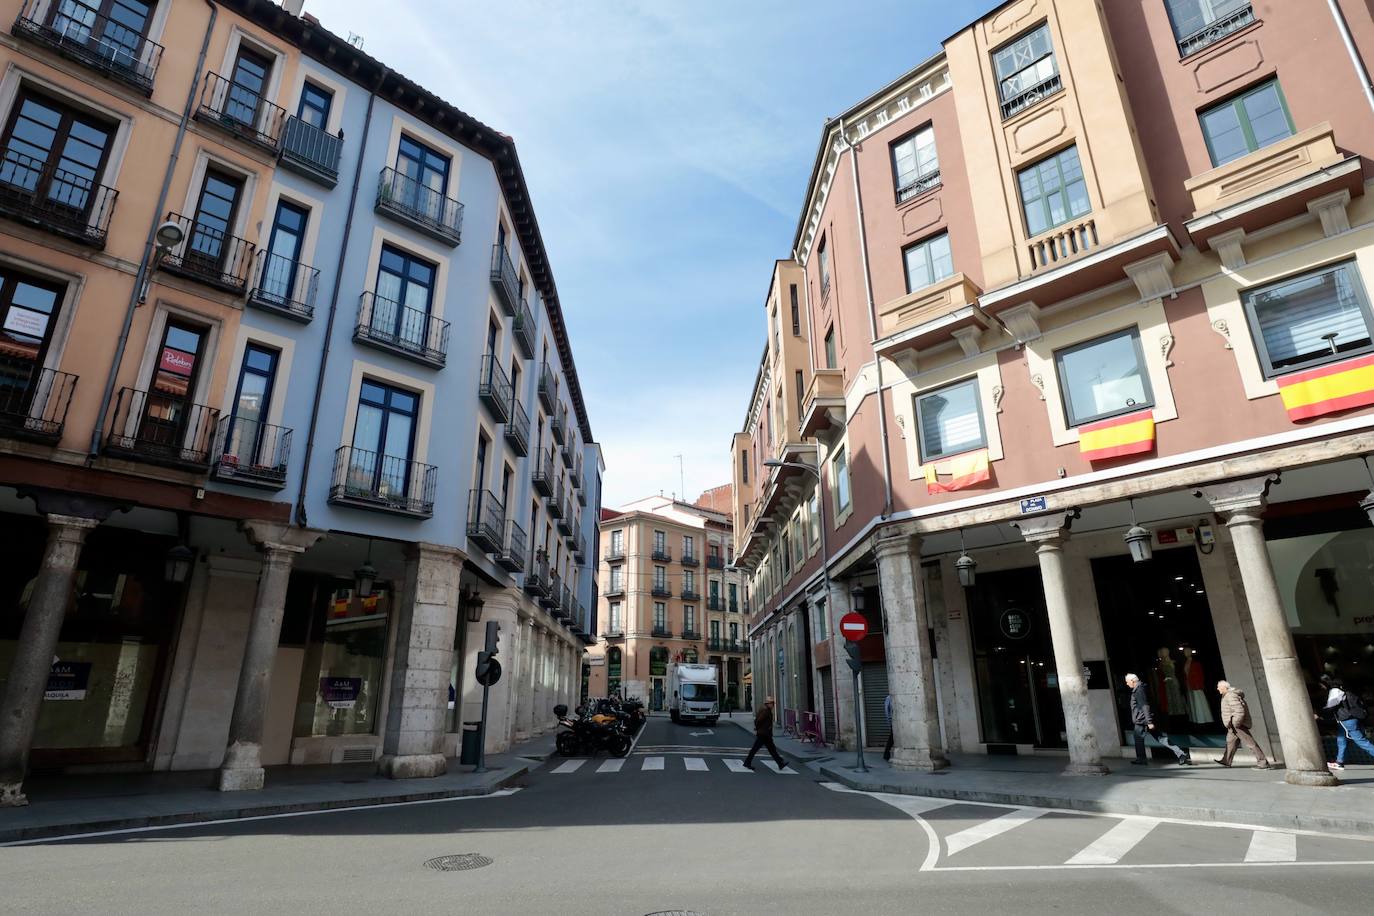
{"x": 433, "y": 552}
{"x": 73, "y": 505}
{"x": 1049, "y": 529}
{"x": 78, "y": 525}
{"x": 895, "y": 541}
{"x": 1236, "y": 496}
{"x": 278, "y": 538}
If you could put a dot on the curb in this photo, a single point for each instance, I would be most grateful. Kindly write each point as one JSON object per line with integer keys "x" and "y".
{"x": 51, "y": 831}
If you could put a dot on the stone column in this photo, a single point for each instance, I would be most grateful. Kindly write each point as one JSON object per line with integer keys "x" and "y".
{"x": 28, "y": 677}
{"x": 1048, "y": 533}
{"x": 414, "y": 736}
{"x": 840, "y": 675}
{"x": 543, "y": 709}
{"x": 1241, "y": 504}
{"x": 524, "y": 725}
{"x": 279, "y": 546}
{"x": 910, "y": 670}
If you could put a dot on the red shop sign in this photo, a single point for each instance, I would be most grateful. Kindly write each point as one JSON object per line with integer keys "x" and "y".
{"x": 178, "y": 362}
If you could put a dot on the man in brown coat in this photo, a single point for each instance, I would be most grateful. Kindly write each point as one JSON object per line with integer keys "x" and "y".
{"x": 763, "y": 735}
{"x": 1235, "y": 715}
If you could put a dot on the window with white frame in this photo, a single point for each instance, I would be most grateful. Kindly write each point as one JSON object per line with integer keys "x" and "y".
{"x": 950, "y": 420}
{"x": 660, "y": 616}
{"x": 689, "y": 619}
{"x": 1103, "y": 378}
{"x": 615, "y": 617}
{"x": 928, "y": 261}
{"x": 661, "y": 577}
{"x": 839, "y": 480}
{"x": 617, "y": 579}
{"x": 1026, "y": 70}
{"x": 618, "y": 543}
{"x": 915, "y": 166}
{"x": 813, "y": 516}
{"x": 1313, "y": 318}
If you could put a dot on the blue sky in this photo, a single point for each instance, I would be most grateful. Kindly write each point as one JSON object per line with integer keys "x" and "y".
{"x": 667, "y": 146}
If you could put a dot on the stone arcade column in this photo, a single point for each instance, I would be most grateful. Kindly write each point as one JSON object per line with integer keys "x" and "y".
{"x": 1048, "y": 533}
{"x": 910, "y": 671}
{"x": 503, "y": 701}
{"x": 28, "y": 677}
{"x": 524, "y": 723}
{"x": 279, "y": 545}
{"x": 839, "y": 669}
{"x": 543, "y": 709}
{"x": 414, "y": 738}
{"x": 1241, "y": 504}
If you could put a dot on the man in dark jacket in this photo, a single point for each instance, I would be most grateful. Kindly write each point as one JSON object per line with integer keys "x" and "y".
{"x": 763, "y": 735}
{"x": 1235, "y": 715}
{"x": 1145, "y": 724}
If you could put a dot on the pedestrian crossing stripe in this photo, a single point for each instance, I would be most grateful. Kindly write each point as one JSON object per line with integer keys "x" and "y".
{"x": 657, "y": 763}
{"x": 695, "y": 764}
{"x": 611, "y": 766}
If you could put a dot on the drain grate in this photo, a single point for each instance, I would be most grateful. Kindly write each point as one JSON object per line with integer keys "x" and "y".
{"x": 463, "y": 862}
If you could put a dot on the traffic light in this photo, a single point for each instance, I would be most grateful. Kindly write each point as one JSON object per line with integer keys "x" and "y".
{"x": 486, "y": 659}
{"x": 851, "y": 649}
{"x": 493, "y": 636}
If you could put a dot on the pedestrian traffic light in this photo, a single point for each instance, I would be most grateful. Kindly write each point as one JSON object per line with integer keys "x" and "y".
{"x": 851, "y": 649}
{"x": 493, "y": 636}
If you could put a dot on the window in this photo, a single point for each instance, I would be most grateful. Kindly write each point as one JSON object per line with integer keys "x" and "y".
{"x": 405, "y": 287}
{"x": 813, "y": 517}
{"x": 689, "y": 618}
{"x": 777, "y": 336}
{"x": 1026, "y": 70}
{"x": 796, "y": 310}
{"x": 659, "y": 542}
{"x": 1103, "y": 378}
{"x": 216, "y": 211}
{"x": 249, "y": 441}
{"x": 689, "y": 581}
{"x": 734, "y": 632}
{"x": 618, "y": 542}
{"x": 830, "y": 361}
{"x": 1198, "y": 23}
{"x": 617, "y": 579}
{"x": 787, "y": 551}
{"x": 733, "y": 592}
{"x": 615, "y": 617}
{"x": 660, "y": 577}
{"x": 660, "y": 615}
{"x": 927, "y": 262}
{"x": 28, "y": 307}
{"x": 247, "y": 83}
{"x": 689, "y": 546}
{"x": 915, "y": 166}
{"x": 1246, "y": 122}
{"x": 839, "y": 479}
{"x": 823, "y": 256}
{"x": 715, "y": 631}
{"x": 798, "y": 547}
{"x": 170, "y": 403}
{"x": 613, "y": 669}
{"x": 1308, "y": 320}
{"x": 427, "y": 172}
{"x": 800, "y": 386}
{"x": 950, "y": 421}
{"x": 116, "y": 37}
{"x": 744, "y": 465}
{"x": 278, "y": 281}
{"x": 479, "y": 475}
{"x": 384, "y": 433}
{"x": 314, "y": 106}
{"x": 1053, "y": 191}
{"x": 54, "y": 157}
{"x": 715, "y": 590}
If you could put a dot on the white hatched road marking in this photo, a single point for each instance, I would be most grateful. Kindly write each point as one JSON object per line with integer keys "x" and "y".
{"x": 611, "y": 766}
{"x": 774, "y": 767}
{"x": 1268, "y": 846}
{"x": 1115, "y": 843}
{"x": 958, "y": 842}
{"x": 736, "y": 766}
{"x": 571, "y": 766}
{"x": 695, "y": 764}
{"x": 653, "y": 763}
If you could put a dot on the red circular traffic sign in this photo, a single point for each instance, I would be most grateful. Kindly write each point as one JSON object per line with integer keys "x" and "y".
{"x": 853, "y": 626}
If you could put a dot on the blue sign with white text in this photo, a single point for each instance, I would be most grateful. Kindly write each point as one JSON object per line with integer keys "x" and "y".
{"x": 1033, "y": 504}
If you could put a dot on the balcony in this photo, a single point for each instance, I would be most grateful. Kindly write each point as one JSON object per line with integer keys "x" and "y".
{"x": 284, "y": 287}
{"x": 241, "y": 113}
{"x": 660, "y": 590}
{"x": 34, "y": 403}
{"x": 385, "y": 483}
{"x": 554, "y": 507}
{"x": 736, "y": 645}
{"x": 543, "y": 475}
{"x": 550, "y": 600}
{"x": 581, "y": 492}
{"x": 715, "y": 644}
{"x": 557, "y": 428}
{"x": 569, "y": 606}
{"x": 251, "y": 453}
{"x": 486, "y": 521}
{"x": 511, "y": 556}
{"x": 714, "y": 603}
{"x": 1032, "y": 96}
{"x": 691, "y": 633}
{"x": 565, "y": 522}
{"x": 518, "y": 428}
{"x": 689, "y": 593}
{"x": 311, "y": 152}
{"x": 55, "y": 200}
{"x": 420, "y": 207}
{"x": 567, "y": 454}
{"x": 689, "y": 559}
{"x": 505, "y": 280}
{"x": 494, "y": 389}
{"x": 209, "y": 256}
{"x": 537, "y": 578}
{"x": 613, "y": 633}
{"x": 100, "y": 43}
{"x": 1215, "y": 31}
{"x": 614, "y": 591}
{"x": 936, "y": 314}
{"x": 408, "y": 332}
{"x": 162, "y": 429}
{"x": 661, "y": 631}
{"x": 715, "y": 561}
{"x": 522, "y": 329}
{"x": 734, "y": 607}
{"x": 579, "y": 547}
{"x": 548, "y": 389}
{"x": 575, "y": 476}
{"x": 918, "y": 186}
{"x": 615, "y": 555}
{"x": 662, "y": 555}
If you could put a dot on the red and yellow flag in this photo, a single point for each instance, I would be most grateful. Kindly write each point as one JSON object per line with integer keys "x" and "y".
{"x": 1331, "y": 388}
{"x": 1129, "y": 435}
{"x": 965, "y": 471}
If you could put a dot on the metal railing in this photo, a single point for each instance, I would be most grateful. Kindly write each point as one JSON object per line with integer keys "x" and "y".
{"x": 57, "y": 200}
{"x": 249, "y": 451}
{"x": 734, "y": 607}
{"x": 715, "y": 561}
{"x": 518, "y": 428}
{"x": 522, "y": 329}
{"x": 80, "y": 33}
{"x": 161, "y": 429}
{"x": 543, "y": 474}
{"x": 494, "y": 388}
{"x": 554, "y": 507}
{"x": 34, "y": 402}
{"x": 661, "y": 554}
{"x": 661, "y": 631}
{"x": 689, "y": 593}
{"x": 715, "y": 644}
{"x": 614, "y": 591}
{"x": 1063, "y": 244}
{"x": 387, "y": 483}
{"x": 311, "y": 152}
{"x": 1216, "y": 30}
{"x": 241, "y": 112}
{"x": 423, "y": 207}
{"x": 919, "y": 185}
{"x": 512, "y": 555}
{"x": 691, "y": 633}
{"x": 505, "y": 279}
{"x": 557, "y": 427}
{"x": 714, "y": 603}
{"x": 548, "y": 388}
{"x": 537, "y": 577}
{"x": 613, "y": 633}
{"x": 579, "y": 545}
{"x": 486, "y": 520}
{"x": 1028, "y": 97}
{"x": 550, "y": 600}
{"x": 407, "y": 331}
{"x": 614, "y": 555}
{"x": 689, "y": 559}
{"x": 284, "y": 286}
{"x": 660, "y": 590}
{"x": 209, "y": 255}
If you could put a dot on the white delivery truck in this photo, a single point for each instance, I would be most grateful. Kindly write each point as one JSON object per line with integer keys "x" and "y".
{"x": 693, "y": 693}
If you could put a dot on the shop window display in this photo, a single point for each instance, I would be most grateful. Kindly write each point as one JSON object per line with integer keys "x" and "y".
{"x": 345, "y": 654}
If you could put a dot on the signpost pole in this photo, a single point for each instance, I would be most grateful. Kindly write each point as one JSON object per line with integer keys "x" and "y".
{"x": 482, "y": 735}
{"x": 858, "y": 724}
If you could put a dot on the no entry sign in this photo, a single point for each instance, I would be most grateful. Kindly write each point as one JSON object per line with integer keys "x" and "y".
{"x": 853, "y": 627}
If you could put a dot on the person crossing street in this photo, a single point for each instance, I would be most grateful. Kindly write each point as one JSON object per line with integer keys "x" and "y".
{"x": 763, "y": 736}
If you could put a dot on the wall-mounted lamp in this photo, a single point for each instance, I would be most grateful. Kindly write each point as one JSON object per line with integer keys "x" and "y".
{"x": 1139, "y": 540}
{"x": 168, "y": 236}
{"x": 966, "y": 566}
{"x": 472, "y": 603}
{"x": 178, "y": 564}
{"x": 365, "y": 576}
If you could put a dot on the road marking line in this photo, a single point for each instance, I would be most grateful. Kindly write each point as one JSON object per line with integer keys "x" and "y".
{"x": 653, "y": 763}
{"x": 695, "y": 764}
{"x": 735, "y": 765}
{"x": 958, "y": 842}
{"x": 611, "y": 766}
{"x": 1267, "y": 846}
{"x": 571, "y": 766}
{"x": 1115, "y": 843}
{"x": 774, "y": 767}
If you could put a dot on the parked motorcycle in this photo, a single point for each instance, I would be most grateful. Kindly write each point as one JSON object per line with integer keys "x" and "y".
{"x": 585, "y": 735}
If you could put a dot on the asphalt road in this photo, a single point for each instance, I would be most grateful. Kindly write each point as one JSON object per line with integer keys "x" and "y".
{"x": 680, "y": 826}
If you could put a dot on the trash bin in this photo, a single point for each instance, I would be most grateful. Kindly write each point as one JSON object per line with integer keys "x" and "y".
{"x": 471, "y": 735}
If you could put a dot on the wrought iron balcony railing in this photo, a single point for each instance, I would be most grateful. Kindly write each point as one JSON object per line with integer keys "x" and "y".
{"x": 689, "y": 559}
{"x": 714, "y": 603}
{"x": 691, "y": 633}
{"x": 918, "y": 185}
{"x": 518, "y": 427}
{"x": 661, "y": 631}
{"x": 412, "y": 333}
{"x": 419, "y": 206}
{"x": 486, "y": 521}
{"x": 210, "y": 256}
{"x": 543, "y": 474}
{"x": 494, "y": 388}
{"x": 689, "y": 593}
{"x": 34, "y": 402}
{"x": 662, "y": 554}
{"x": 1019, "y": 102}
{"x": 548, "y": 388}
{"x": 522, "y": 328}
{"x": 660, "y": 590}
{"x": 55, "y": 200}
{"x": 1216, "y": 30}
{"x": 537, "y": 577}
{"x": 715, "y": 561}
{"x": 555, "y": 589}
{"x": 241, "y": 112}
{"x": 715, "y": 644}
{"x": 614, "y": 591}
{"x": 368, "y": 480}
{"x": 283, "y": 286}
{"x": 613, "y": 633}
{"x": 579, "y": 547}
{"x": 79, "y": 33}
{"x": 734, "y": 607}
{"x": 556, "y": 427}
{"x": 554, "y": 507}
{"x": 504, "y": 279}
{"x": 615, "y": 554}
{"x": 162, "y": 429}
{"x": 309, "y": 151}
{"x": 250, "y": 452}
{"x": 512, "y": 554}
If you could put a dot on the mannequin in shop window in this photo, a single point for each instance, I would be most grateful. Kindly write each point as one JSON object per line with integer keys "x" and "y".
{"x": 1199, "y": 708}
{"x": 1173, "y": 705}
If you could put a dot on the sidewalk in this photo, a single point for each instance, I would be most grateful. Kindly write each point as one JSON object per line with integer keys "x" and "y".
{"x": 60, "y": 805}
{"x": 1204, "y": 792}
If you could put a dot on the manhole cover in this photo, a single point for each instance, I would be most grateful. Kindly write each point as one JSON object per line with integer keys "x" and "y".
{"x": 462, "y": 862}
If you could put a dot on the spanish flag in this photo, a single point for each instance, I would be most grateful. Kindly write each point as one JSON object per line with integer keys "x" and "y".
{"x": 966, "y": 470}
{"x": 1129, "y": 435}
{"x": 1328, "y": 389}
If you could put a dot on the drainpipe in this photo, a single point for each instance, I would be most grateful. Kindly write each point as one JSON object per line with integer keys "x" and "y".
{"x": 144, "y": 266}
{"x": 1344, "y": 28}
{"x": 301, "y": 518}
{"x": 872, "y": 319}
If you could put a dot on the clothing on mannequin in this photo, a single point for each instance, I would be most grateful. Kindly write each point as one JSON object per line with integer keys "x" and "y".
{"x": 1199, "y": 709}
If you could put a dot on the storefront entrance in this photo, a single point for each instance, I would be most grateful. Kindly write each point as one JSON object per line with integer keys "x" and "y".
{"x": 1018, "y": 688}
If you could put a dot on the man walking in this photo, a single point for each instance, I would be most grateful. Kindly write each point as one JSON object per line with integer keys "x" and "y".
{"x": 1349, "y": 713}
{"x": 1235, "y": 715}
{"x": 1144, "y": 723}
{"x": 763, "y": 736}
{"x": 887, "y": 711}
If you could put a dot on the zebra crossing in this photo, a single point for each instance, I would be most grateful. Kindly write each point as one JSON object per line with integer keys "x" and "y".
{"x": 661, "y": 763}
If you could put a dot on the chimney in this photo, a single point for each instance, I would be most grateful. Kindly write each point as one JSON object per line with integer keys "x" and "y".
{"x": 293, "y": 7}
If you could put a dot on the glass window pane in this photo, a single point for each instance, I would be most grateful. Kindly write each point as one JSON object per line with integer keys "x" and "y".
{"x": 950, "y": 421}
{"x": 1311, "y": 318}
{"x": 1103, "y": 378}
{"x": 1268, "y": 120}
